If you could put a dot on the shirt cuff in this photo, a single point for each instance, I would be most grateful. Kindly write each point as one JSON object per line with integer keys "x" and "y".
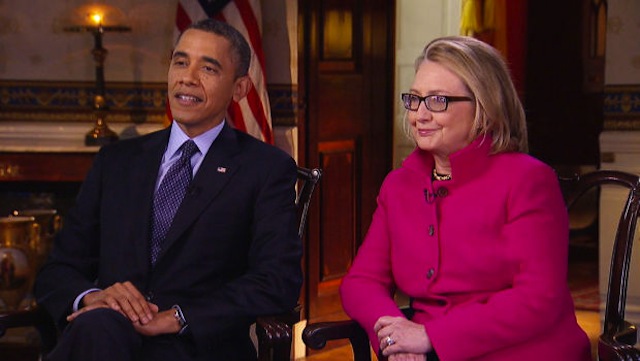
{"x": 76, "y": 303}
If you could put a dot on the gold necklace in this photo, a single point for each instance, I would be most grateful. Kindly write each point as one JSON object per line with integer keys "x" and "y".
{"x": 440, "y": 177}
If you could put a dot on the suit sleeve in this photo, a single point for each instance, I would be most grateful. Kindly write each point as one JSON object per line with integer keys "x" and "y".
{"x": 74, "y": 257}
{"x": 367, "y": 289}
{"x": 272, "y": 281}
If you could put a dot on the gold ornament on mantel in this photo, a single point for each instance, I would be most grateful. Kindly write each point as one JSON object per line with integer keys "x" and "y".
{"x": 17, "y": 259}
{"x": 98, "y": 18}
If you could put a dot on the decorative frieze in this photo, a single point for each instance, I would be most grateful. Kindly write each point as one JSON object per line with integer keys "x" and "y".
{"x": 622, "y": 107}
{"x": 128, "y": 102}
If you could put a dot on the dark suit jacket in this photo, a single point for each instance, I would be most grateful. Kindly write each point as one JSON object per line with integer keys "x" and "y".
{"x": 232, "y": 252}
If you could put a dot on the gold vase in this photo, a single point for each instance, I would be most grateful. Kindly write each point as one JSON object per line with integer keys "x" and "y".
{"x": 50, "y": 222}
{"x": 17, "y": 259}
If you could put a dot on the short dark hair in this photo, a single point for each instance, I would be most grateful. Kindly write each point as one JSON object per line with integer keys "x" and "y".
{"x": 239, "y": 45}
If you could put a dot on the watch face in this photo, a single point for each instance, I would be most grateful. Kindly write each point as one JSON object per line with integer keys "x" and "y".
{"x": 179, "y": 317}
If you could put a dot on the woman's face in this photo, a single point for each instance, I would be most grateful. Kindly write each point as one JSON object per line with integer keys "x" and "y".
{"x": 441, "y": 133}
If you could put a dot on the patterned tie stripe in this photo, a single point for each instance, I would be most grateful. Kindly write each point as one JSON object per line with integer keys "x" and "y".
{"x": 169, "y": 196}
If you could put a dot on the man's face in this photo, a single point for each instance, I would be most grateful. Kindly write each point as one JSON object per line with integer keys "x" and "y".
{"x": 202, "y": 81}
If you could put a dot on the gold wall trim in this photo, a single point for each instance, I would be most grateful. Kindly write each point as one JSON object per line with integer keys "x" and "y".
{"x": 67, "y": 101}
{"x": 72, "y": 101}
{"x": 622, "y": 107}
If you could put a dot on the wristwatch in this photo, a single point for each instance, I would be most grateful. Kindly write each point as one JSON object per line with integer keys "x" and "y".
{"x": 179, "y": 316}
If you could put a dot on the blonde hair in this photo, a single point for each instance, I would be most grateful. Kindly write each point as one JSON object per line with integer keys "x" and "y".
{"x": 499, "y": 112}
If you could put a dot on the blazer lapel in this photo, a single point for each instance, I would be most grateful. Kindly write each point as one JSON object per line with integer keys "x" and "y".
{"x": 217, "y": 168}
{"x": 144, "y": 164}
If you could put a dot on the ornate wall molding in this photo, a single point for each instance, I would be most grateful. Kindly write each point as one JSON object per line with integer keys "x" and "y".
{"x": 72, "y": 101}
{"x": 622, "y": 107}
{"x": 128, "y": 102}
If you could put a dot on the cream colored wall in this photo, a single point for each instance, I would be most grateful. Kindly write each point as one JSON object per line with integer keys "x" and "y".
{"x": 622, "y": 67}
{"x": 623, "y": 48}
{"x": 33, "y": 45}
{"x": 279, "y": 39}
{"x": 417, "y": 22}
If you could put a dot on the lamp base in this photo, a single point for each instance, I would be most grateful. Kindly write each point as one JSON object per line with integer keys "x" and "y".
{"x": 100, "y": 135}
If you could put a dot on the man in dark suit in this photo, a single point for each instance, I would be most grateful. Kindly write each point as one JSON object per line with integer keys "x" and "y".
{"x": 230, "y": 253}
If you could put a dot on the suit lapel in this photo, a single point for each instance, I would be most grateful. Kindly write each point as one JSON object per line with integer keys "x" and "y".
{"x": 217, "y": 168}
{"x": 145, "y": 163}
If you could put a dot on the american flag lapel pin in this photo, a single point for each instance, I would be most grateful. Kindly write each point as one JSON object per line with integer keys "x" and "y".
{"x": 222, "y": 170}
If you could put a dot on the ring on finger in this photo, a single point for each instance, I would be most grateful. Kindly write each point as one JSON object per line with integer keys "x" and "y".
{"x": 389, "y": 341}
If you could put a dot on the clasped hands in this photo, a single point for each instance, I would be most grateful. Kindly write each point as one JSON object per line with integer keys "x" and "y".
{"x": 126, "y": 299}
{"x": 401, "y": 339}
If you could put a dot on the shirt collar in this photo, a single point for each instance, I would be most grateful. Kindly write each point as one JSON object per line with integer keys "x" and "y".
{"x": 203, "y": 141}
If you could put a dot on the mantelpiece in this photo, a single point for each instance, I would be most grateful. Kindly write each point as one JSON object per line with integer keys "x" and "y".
{"x": 51, "y": 152}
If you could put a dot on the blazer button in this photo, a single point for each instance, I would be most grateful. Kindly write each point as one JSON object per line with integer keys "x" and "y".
{"x": 431, "y": 230}
{"x": 430, "y": 273}
{"x": 149, "y": 296}
{"x": 442, "y": 192}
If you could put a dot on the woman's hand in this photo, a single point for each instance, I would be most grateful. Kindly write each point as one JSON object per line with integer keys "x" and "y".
{"x": 407, "y": 357}
{"x": 397, "y": 335}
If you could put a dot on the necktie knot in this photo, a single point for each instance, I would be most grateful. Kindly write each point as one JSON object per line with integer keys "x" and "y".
{"x": 189, "y": 148}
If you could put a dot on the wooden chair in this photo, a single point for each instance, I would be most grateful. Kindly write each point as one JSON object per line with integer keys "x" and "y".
{"x": 274, "y": 333}
{"x": 618, "y": 337}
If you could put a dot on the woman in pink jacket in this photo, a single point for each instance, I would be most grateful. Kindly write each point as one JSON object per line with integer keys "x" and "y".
{"x": 471, "y": 228}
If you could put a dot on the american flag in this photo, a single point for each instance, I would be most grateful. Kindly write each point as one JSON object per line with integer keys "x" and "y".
{"x": 252, "y": 114}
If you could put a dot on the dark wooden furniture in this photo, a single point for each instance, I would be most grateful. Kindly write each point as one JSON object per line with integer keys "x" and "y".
{"x": 274, "y": 333}
{"x": 618, "y": 337}
{"x": 44, "y": 166}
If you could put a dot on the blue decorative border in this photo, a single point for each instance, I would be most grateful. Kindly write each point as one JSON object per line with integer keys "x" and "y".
{"x": 72, "y": 101}
{"x": 127, "y": 102}
{"x": 622, "y": 107}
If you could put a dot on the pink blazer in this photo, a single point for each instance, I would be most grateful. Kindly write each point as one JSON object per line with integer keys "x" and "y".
{"x": 483, "y": 257}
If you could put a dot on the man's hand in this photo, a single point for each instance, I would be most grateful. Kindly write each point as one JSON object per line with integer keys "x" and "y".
{"x": 162, "y": 323}
{"x": 122, "y": 297}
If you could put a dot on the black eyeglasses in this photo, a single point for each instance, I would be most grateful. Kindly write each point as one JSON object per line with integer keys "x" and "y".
{"x": 435, "y": 103}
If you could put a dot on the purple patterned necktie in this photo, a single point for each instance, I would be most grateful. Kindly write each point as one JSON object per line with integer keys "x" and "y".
{"x": 169, "y": 196}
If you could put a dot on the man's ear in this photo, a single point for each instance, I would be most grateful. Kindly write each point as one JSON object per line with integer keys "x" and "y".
{"x": 242, "y": 87}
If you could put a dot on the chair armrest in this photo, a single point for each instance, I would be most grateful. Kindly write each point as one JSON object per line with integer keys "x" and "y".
{"x": 275, "y": 335}
{"x": 35, "y": 317}
{"x": 316, "y": 335}
{"x": 619, "y": 344}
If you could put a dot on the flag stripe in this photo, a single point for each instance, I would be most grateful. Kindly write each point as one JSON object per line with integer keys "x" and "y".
{"x": 258, "y": 112}
{"x": 250, "y": 22}
{"x": 252, "y": 114}
{"x": 236, "y": 115}
{"x": 182, "y": 19}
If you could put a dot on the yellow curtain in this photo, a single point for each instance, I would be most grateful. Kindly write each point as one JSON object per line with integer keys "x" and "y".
{"x": 487, "y": 21}
{"x": 470, "y": 20}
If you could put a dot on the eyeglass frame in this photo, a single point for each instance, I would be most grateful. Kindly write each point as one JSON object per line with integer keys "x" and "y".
{"x": 447, "y": 99}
